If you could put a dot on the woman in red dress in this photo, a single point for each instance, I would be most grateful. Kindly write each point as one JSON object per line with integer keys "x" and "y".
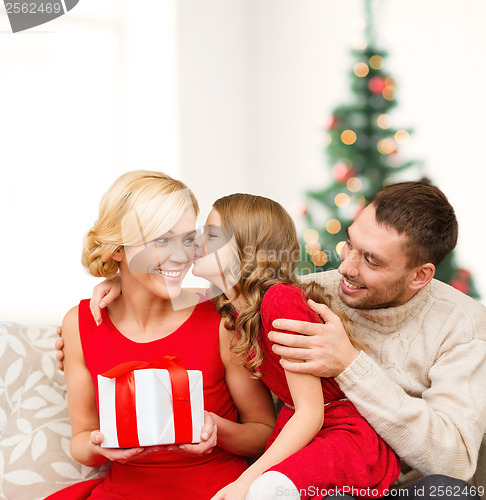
{"x": 145, "y": 232}
{"x": 320, "y": 445}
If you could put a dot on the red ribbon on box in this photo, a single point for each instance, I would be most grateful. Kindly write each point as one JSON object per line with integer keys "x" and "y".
{"x": 126, "y": 415}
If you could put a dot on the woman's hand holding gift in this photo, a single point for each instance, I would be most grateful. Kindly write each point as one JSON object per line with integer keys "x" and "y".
{"x": 122, "y": 455}
{"x": 209, "y": 439}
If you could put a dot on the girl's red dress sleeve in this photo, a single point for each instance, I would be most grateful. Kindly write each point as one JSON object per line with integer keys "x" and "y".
{"x": 285, "y": 302}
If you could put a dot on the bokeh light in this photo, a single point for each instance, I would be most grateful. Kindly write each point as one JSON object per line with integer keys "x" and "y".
{"x": 359, "y": 24}
{"x": 354, "y": 184}
{"x": 339, "y": 247}
{"x": 402, "y": 136}
{"x": 319, "y": 258}
{"x": 342, "y": 200}
{"x": 384, "y": 121}
{"x": 359, "y": 43}
{"x": 386, "y": 146}
{"x": 376, "y": 84}
{"x": 311, "y": 235}
{"x": 389, "y": 90}
{"x": 312, "y": 247}
{"x": 333, "y": 226}
{"x": 348, "y": 137}
{"x": 376, "y": 62}
{"x": 361, "y": 69}
{"x": 388, "y": 93}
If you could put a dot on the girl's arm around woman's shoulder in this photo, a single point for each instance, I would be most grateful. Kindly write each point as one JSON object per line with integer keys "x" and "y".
{"x": 253, "y": 402}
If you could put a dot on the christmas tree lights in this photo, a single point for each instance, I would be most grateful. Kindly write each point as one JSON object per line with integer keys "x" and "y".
{"x": 363, "y": 148}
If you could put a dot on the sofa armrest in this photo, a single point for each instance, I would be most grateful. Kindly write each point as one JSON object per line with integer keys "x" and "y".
{"x": 35, "y": 430}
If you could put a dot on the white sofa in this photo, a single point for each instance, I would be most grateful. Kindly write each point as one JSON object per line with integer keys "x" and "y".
{"x": 34, "y": 423}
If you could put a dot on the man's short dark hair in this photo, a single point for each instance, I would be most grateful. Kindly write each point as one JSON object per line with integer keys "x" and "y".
{"x": 421, "y": 212}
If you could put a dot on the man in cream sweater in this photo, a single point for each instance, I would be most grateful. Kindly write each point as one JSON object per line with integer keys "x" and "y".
{"x": 421, "y": 380}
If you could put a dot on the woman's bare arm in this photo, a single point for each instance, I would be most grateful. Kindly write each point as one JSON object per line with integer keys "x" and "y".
{"x": 86, "y": 438}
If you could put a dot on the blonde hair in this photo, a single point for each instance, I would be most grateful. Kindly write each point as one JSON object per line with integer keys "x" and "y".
{"x": 268, "y": 251}
{"x": 140, "y": 206}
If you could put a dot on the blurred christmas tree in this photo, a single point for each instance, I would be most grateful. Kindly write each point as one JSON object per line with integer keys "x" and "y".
{"x": 362, "y": 147}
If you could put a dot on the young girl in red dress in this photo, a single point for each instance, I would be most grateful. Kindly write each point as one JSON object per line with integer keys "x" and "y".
{"x": 145, "y": 232}
{"x": 320, "y": 445}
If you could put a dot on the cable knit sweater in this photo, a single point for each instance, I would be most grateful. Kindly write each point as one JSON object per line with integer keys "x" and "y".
{"x": 422, "y": 381}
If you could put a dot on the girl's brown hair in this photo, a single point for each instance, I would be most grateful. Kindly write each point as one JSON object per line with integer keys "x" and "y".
{"x": 268, "y": 251}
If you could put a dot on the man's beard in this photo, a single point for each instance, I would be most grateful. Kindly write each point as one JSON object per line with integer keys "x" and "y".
{"x": 391, "y": 297}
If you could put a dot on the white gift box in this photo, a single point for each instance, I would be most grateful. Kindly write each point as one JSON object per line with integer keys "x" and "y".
{"x": 154, "y": 407}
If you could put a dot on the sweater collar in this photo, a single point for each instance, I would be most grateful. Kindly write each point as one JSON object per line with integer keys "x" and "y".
{"x": 385, "y": 319}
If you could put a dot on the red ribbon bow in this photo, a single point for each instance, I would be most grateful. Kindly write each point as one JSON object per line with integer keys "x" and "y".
{"x": 125, "y": 408}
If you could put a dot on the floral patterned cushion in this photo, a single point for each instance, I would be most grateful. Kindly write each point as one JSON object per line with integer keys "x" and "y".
{"x": 34, "y": 423}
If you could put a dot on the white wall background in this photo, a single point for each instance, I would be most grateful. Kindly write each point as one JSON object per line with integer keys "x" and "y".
{"x": 230, "y": 95}
{"x": 84, "y": 98}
